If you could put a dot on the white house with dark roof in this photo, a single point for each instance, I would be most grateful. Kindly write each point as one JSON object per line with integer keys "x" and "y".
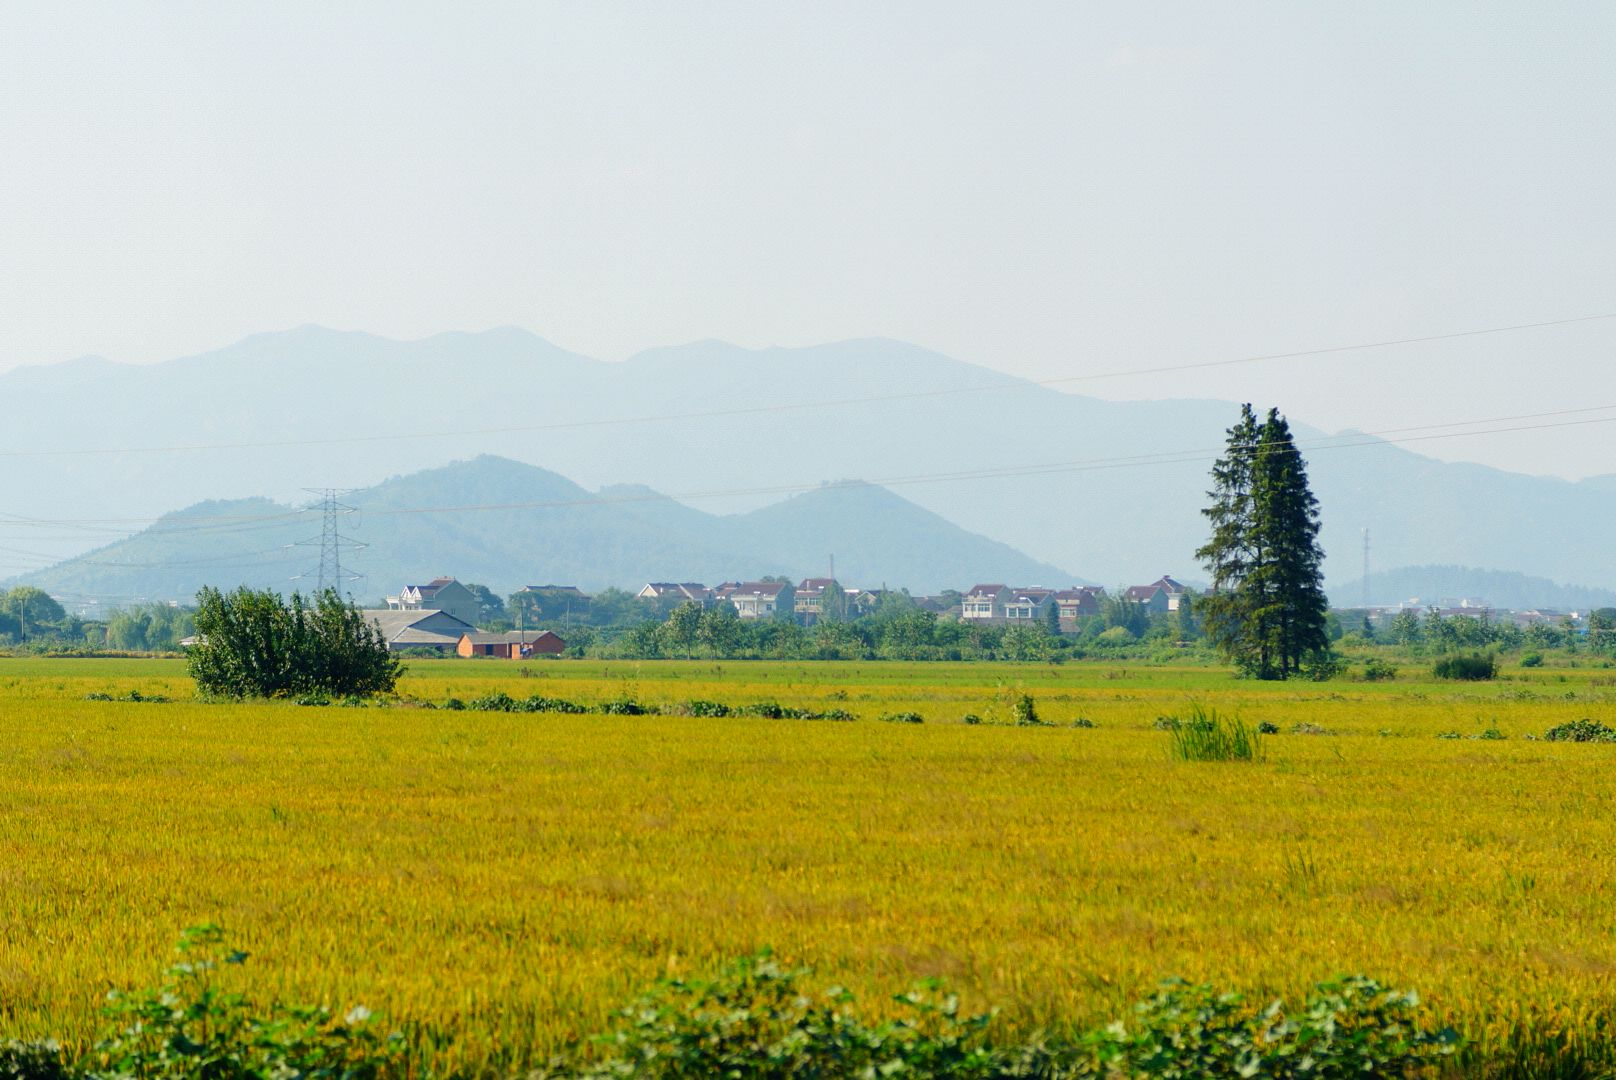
{"x": 439, "y": 594}
{"x": 758, "y": 599}
{"x": 984, "y": 603}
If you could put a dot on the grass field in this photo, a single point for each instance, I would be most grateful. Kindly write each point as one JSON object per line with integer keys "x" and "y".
{"x": 510, "y": 878}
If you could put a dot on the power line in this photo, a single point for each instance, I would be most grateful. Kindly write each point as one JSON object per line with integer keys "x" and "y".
{"x": 1341, "y": 442}
{"x": 1006, "y": 383}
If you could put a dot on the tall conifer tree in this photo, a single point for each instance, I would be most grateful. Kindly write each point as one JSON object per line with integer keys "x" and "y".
{"x": 1267, "y": 608}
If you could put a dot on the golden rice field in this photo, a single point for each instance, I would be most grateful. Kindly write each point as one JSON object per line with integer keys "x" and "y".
{"x": 511, "y": 878}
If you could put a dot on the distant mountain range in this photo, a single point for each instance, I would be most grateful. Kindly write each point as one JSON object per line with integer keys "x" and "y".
{"x": 1112, "y": 490}
{"x": 505, "y": 524}
{"x": 1447, "y": 585}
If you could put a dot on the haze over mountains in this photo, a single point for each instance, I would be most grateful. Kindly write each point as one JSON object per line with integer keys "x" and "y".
{"x": 1106, "y": 491}
{"x": 532, "y": 526}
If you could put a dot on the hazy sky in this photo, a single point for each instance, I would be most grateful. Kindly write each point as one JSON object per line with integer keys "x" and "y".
{"x": 1044, "y": 188}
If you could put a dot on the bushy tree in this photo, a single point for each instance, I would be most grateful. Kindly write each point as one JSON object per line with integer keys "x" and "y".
{"x": 32, "y": 611}
{"x": 255, "y": 644}
{"x": 683, "y": 625}
{"x": 149, "y": 627}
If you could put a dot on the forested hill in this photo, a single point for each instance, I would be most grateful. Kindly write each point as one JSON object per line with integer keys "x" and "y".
{"x": 506, "y": 524}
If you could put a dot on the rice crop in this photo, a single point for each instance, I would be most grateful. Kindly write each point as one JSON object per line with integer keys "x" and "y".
{"x": 509, "y": 878}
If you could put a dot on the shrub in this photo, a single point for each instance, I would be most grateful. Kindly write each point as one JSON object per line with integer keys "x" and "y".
{"x": 1377, "y": 670}
{"x": 1583, "y": 730}
{"x": 1268, "y": 727}
{"x": 756, "y": 1020}
{"x": 1306, "y": 728}
{"x": 1025, "y": 712}
{"x": 903, "y": 718}
{"x": 499, "y": 701}
{"x": 32, "y": 1061}
{"x": 706, "y": 708}
{"x": 972, "y": 718}
{"x": 1206, "y": 735}
{"x": 1351, "y": 1027}
{"x": 193, "y": 1028}
{"x": 538, "y": 703}
{"x": 1532, "y": 659}
{"x": 622, "y": 707}
{"x": 254, "y": 644}
{"x": 1083, "y": 722}
{"x": 1474, "y": 668}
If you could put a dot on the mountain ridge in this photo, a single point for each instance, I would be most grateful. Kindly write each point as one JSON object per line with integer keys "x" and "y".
{"x": 506, "y": 524}
{"x": 1114, "y": 487}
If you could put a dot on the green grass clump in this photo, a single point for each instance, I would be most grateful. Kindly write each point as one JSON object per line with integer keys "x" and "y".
{"x": 1207, "y": 735}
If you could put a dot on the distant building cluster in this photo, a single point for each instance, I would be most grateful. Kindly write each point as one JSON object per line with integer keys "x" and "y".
{"x": 443, "y": 614}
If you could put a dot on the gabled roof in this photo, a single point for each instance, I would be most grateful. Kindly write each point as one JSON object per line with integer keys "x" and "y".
{"x": 691, "y": 590}
{"x": 755, "y": 588}
{"x": 431, "y": 587}
{"x": 509, "y": 637}
{"x": 439, "y": 625}
{"x": 1170, "y": 585}
{"x": 552, "y": 588}
{"x": 817, "y": 584}
{"x": 1142, "y": 592}
{"x": 985, "y": 590}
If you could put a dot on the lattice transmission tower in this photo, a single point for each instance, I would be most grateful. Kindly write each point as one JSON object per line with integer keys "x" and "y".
{"x": 331, "y": 542}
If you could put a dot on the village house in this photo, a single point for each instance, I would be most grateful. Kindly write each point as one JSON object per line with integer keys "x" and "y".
{"x": 1163, "y": 594}
{"x": 418, "y": 628}
{"x": 676, "y": 592}
{"x": 758, "y": 599}
{"x": 1076, "y": 603}
{"x": 984, "y": 604}
{"x": 808, "y": 601}
{"x": 1028, "y": 604}
{"x": 513, "y": 645}
{"x": 439, "y": 594}
{"x": 993, "y": 605}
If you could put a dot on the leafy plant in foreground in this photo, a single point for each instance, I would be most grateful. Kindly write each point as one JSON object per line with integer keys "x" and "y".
{"x": 192, "y": 1027}
{"x": 1350, "y": 1027}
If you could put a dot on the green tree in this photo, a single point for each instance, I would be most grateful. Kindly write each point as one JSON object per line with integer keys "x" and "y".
{"x": 490, "y": 608}
{"x": 1405, "y": 628}
{"x": 1052, "y": 619}
{"x": 1185, "y": 625}
{"x": 1130, "y": 615}
{"x": 1601, "y": 629}
{"x": 33, "y": 610}
{"x": 1267, "y": 610}
{"x": 684, "y": 623}
{"x": 720, "y": 628}
{"x": 255, "y": 644}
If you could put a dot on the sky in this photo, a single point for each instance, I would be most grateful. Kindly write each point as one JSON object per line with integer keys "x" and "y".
{"x": 1049, "y": 189}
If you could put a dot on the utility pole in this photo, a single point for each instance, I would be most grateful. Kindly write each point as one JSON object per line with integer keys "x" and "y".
{"x": 331, "y": 543}
{"x": 1366, "y": 568}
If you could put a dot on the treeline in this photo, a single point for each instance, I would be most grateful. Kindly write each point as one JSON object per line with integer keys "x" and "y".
{"x": 31, "y": 621}
{"x": 1432, "y": 632}
{"x": 898, "y": 629}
